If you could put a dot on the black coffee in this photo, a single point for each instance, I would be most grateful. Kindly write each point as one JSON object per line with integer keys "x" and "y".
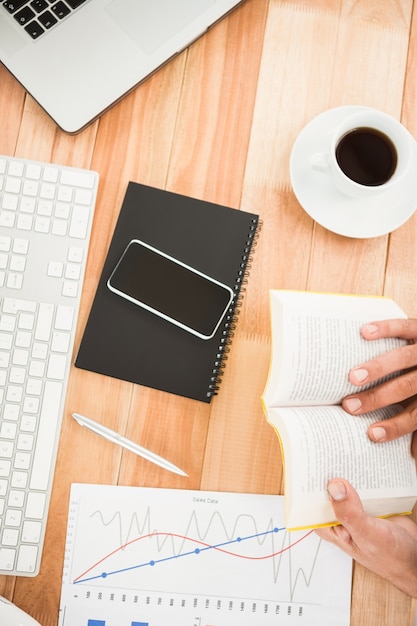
{"x": 367, "y": 156}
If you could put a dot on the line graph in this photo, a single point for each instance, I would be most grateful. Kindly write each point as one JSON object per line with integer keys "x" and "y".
{"x": 203, "y": 547}
{"x": 167, "y": 549}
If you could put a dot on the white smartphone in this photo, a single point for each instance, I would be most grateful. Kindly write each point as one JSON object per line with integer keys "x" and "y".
{"x": 171, "y": 289}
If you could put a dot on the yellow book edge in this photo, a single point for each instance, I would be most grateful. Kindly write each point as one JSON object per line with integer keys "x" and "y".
{"x": 331, "y": 293}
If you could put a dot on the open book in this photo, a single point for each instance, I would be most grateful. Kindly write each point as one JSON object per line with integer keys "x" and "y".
{"x": 315, "y": 342}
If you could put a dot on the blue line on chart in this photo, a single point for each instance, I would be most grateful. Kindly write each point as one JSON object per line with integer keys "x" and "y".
{"x": 177, "y": 556}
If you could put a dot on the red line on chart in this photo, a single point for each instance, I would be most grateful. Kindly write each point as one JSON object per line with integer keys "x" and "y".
{"x": 205, "y": 545}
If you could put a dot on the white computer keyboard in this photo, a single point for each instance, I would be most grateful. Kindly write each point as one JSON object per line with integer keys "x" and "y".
{"x": 46, "y": 213}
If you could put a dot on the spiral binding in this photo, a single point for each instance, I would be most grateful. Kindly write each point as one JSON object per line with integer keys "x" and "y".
{"x": 232, "y": 314}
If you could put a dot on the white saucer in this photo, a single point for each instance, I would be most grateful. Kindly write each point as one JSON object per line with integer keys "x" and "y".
{"x": 330, "y": 207}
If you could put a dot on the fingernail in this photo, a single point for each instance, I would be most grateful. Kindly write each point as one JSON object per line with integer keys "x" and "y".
{"x": 371, "y": 328}
{"x": 378, "y": 433}
{"x": 337, "y": 490}
{"x": 360, "y": 374}
{"x": 353, "y": 404}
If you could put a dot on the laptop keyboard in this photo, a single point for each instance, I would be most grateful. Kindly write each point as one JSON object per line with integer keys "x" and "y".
{"x": 39, "y": 16}
{"x": 46, "y": 214}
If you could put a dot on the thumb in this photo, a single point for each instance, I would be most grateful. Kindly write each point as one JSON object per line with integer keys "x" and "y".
{"x": 347, "y": 506}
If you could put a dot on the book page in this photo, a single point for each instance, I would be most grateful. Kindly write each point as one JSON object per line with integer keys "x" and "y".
{"x": 316, "y": 341}
{"x": 322, "y": 442}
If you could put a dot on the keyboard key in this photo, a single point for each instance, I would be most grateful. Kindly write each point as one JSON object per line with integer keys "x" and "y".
{"x": 60, "y": 10}
{"x": 75, "y": 255}
{"x": 4, "y": 359}
{"x": 37, "y": 17}
{"x": 20, "y": 480}
{"x": 24, "y": 16}
{"x": 33, "y": 171}
{"x": 31, "y": 532}
{"x": 16, "y": 167}
{"x": 14, "y": 305}
{"x": 46, "y": 436}
{"x": 64, "y": 318}
{"x": 83, "y": 196}
{"x": 14, "y": 393}
{"x": 16, "y": 498}
{"x": 10, "y": 537}
{"x": 20, "y": 357}
{"x": 13, "y": 518}
{"x": 5, "y": 468}
{"x": 39, "y": 5}
{"x": 42, "y": 224}
{"x": 47, "y": 191}
{"x": 31, "y": 405}
{"x": 8, "y": 430}
{"x": 10, "y": 203}
{"x": 77, "y": 179}
{"x": 13, "y": 185}
{"x": 24, "y": 222}
{"x": 50, "y": 174}
{"x": 14, "y": 281}
{"x": 34, "y": 387}
{"x": 7, "y": 323}
{"x": 7, "y": 218}
{"x": 72, "y": 271}
{"x": 25, "y": 442}
{"x": 37, "y": 327}
{"x": 75, "y": 3}
{"x": 57, "y": 367}
{"x": 21, "y": 462}
{"x": 47, "y": 20}
{"x": 7, "y": 559}
{"x": 35, "y": 505}
{"x": 20, "y": 246}
{"x": 34, "y": 29}
{"x": 17, "y": 263}
{"x": 30, "y": 188}
{"x": 5, "y": 243}
{"x": 70, "y": 289}
{"x": 23, "y": 340}
{"x": 14, "y": 5}
{"x": 6, "y": 449}
{"x": 26, "y": 560}
{"x": 79, "y": 223}
{"x": 44, "y": 324}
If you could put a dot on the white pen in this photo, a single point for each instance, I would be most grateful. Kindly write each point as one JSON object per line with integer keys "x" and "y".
{"x": 112, "y": 435}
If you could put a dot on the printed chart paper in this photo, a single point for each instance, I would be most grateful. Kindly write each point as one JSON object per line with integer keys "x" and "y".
{"x": 166, "y": 557}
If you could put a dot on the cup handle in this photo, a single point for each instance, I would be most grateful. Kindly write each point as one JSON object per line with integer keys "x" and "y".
{"x": 320, "y": 161}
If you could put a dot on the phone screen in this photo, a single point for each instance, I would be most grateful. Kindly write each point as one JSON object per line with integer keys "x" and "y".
{"x": 171, "y": 289}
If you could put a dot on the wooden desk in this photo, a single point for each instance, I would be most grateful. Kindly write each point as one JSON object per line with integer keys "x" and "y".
{"x": 218, "y": 123}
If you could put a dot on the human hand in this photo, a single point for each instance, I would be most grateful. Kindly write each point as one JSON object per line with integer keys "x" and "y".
{"x": 387, "y": 547}
{"x": 404, "y": 387}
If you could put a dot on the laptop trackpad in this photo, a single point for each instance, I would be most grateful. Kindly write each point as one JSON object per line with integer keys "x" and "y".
{"x": 150, "y": 23}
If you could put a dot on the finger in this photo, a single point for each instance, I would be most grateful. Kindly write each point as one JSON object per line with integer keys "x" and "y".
{"x": 358, "y": 528}
{"x": 392, "y": 391}
{"x": 338, "y": 535}
{"x": 402, "y": 358}
{"x": 403, "y": 328}
{"x": 402, "y": 424}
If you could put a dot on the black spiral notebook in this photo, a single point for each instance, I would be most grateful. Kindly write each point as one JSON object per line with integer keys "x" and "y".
{"x": 125, "y": 341}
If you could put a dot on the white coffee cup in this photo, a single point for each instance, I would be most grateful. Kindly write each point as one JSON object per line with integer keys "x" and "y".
{"x": 368, "y": 139}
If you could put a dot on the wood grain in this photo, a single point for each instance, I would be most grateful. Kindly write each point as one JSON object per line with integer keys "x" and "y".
{"x": 219, "y": 122}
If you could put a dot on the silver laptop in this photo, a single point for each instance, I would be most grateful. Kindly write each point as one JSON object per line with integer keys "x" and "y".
{"x": 78, "y": 57}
